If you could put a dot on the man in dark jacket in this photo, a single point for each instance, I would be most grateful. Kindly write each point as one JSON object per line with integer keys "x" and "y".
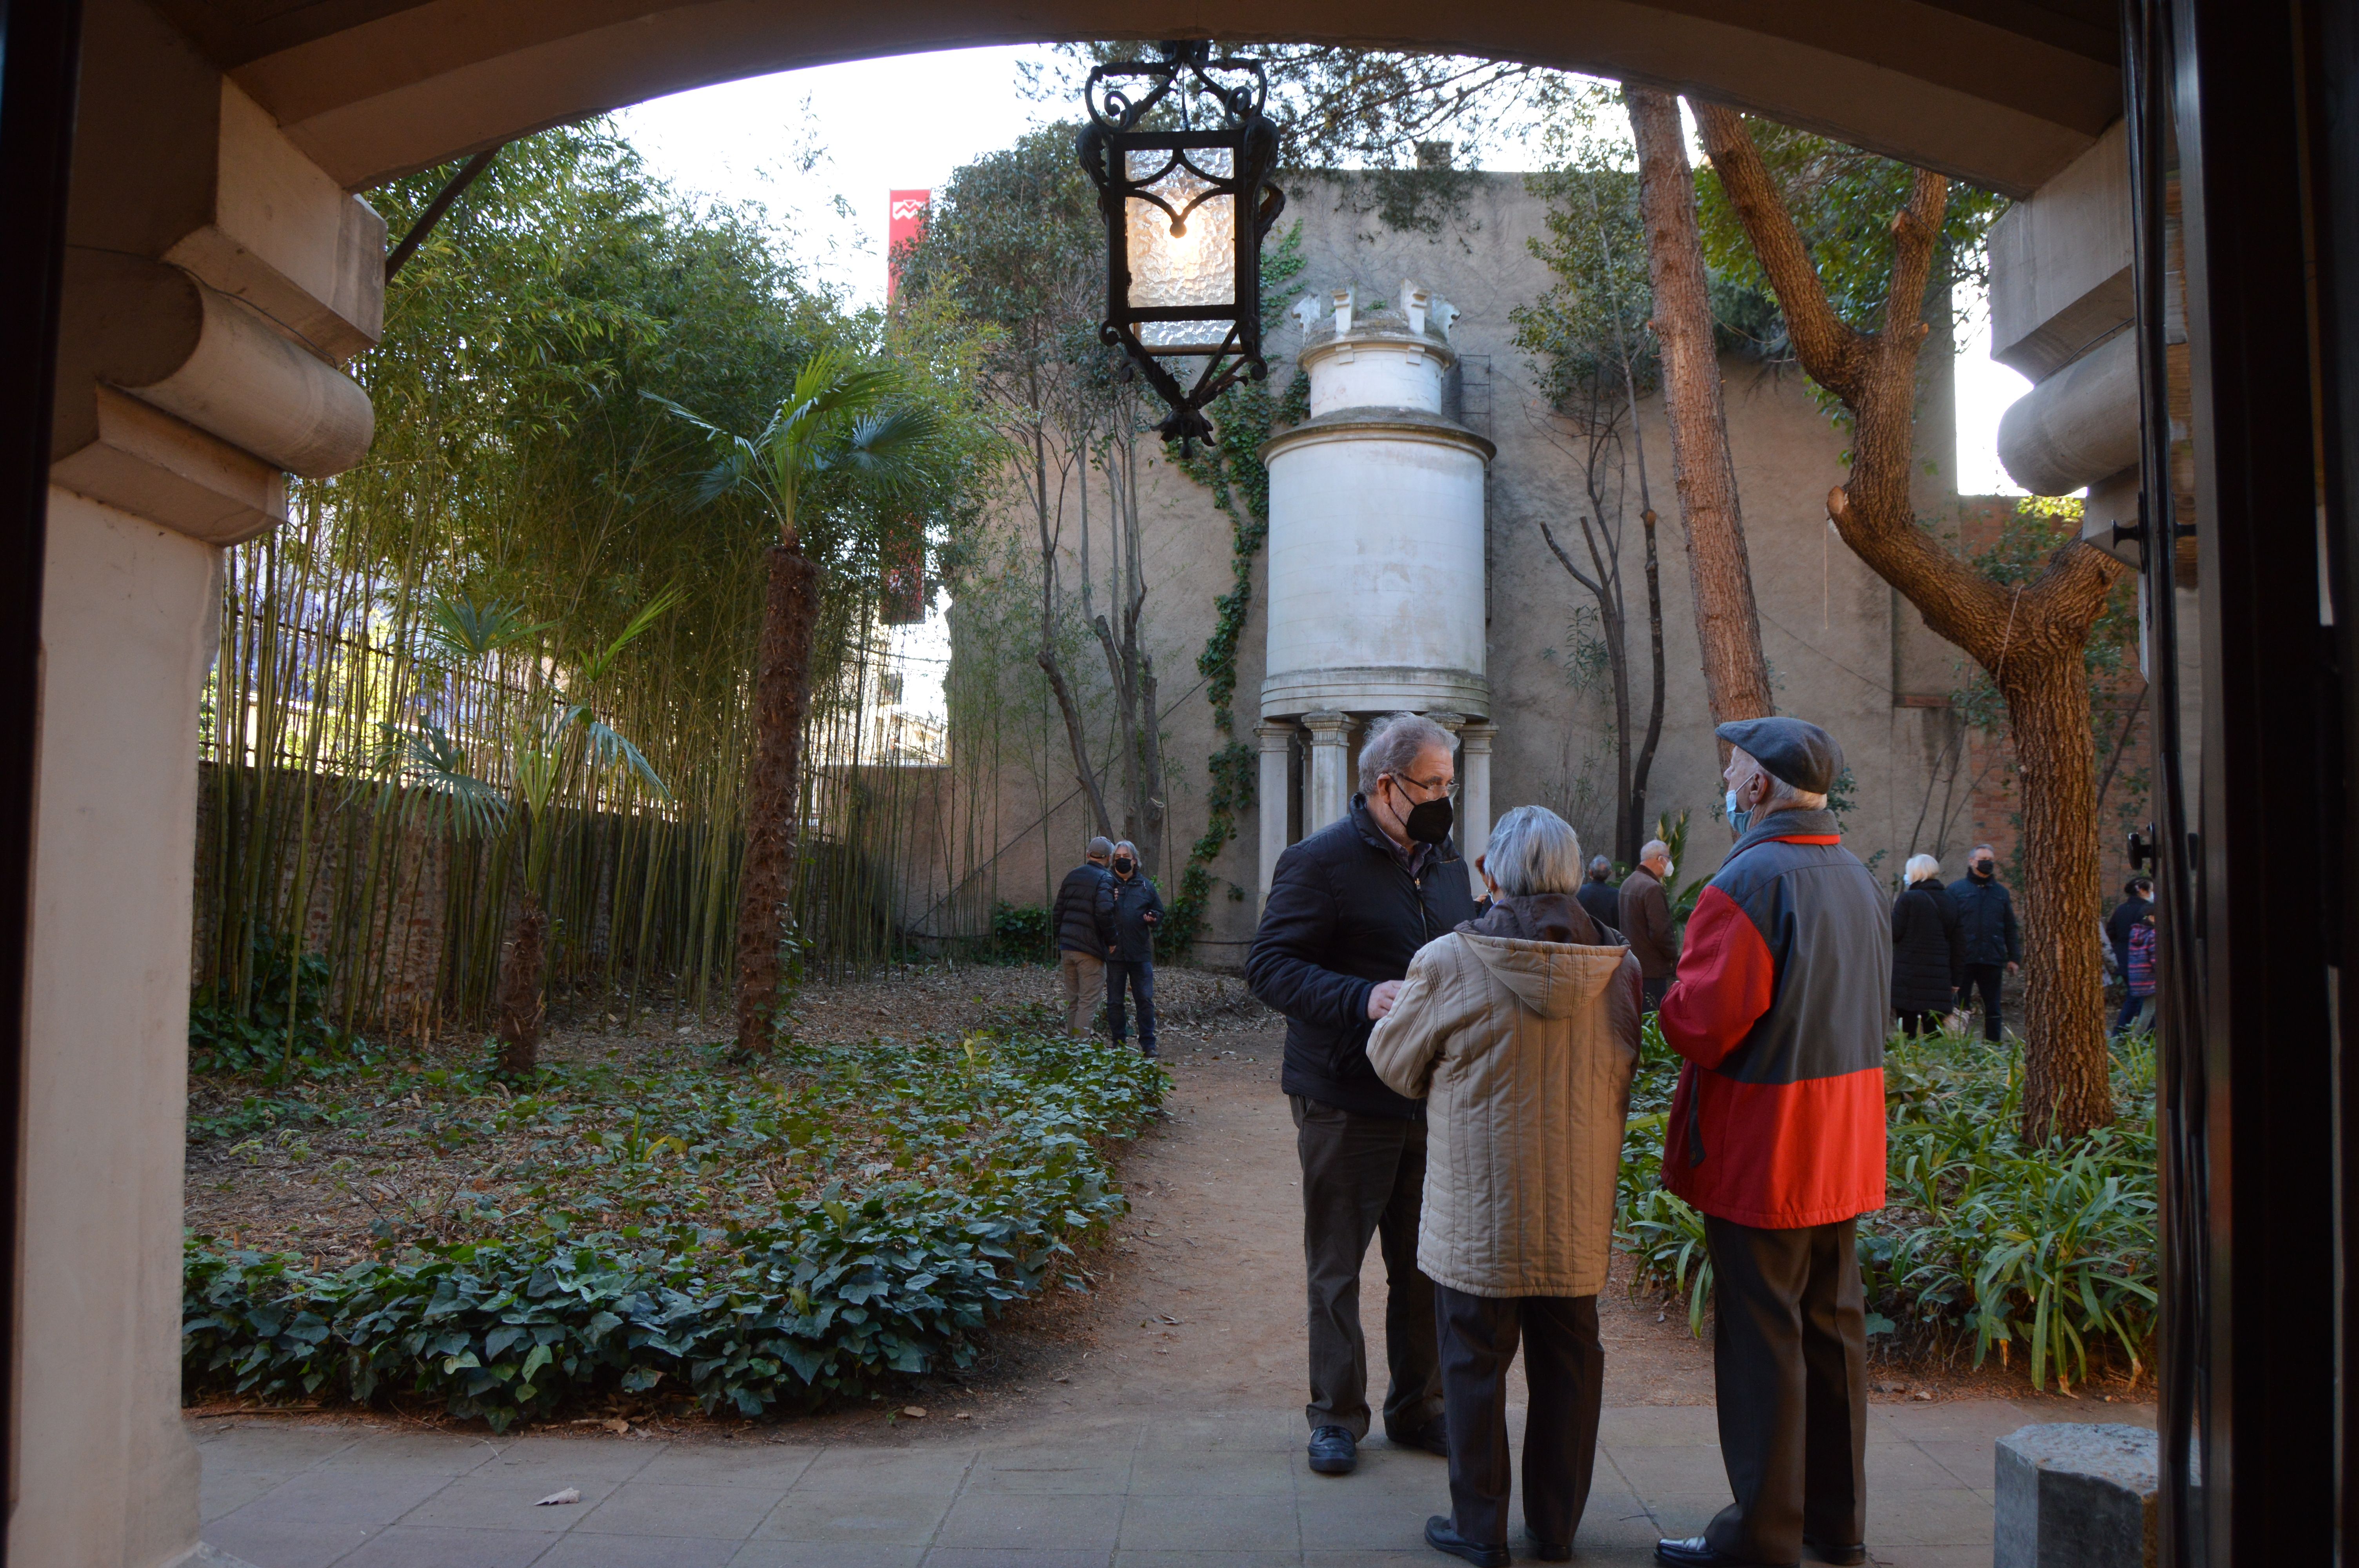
{"x": 1645, "y": 920}
{"x": 2138, "y": 902}
{"x": 1776, "y": 1134}
{"x": 1080, "y": 951}
{"x": 1598, "y": 894}
{"x": 1128, "y": 911}
{"x": 1349, "y": 906}
{"x": 1994, "y": 941}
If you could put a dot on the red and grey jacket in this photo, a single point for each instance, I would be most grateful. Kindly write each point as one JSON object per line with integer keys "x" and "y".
{"x": 1780, "y": 1009}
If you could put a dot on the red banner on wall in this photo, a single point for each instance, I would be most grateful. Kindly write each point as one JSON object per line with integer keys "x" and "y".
{"x": 906, "y": 220}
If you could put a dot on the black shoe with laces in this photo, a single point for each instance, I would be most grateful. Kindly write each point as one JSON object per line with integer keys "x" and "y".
{"x": 1695, "y": 1551}
{"x": 1443, "y": 1535}
{"x": 1332, "y": 1452}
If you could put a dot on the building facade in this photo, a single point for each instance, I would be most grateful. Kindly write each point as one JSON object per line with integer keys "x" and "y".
{"x": 1405, "y": 566}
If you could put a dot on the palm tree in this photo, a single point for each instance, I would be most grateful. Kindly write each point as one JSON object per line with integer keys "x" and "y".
{"x": 568, "y": 746}
{"x": 831, "y": 440}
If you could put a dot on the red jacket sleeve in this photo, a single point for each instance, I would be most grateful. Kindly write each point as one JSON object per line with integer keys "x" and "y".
{"x": 1725, "y": 985}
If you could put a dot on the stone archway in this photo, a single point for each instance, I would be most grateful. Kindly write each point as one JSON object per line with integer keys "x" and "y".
{"x": 220, "y": 272}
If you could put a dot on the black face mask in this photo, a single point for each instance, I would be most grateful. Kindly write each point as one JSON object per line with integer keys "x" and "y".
{"x": 1123, "y": 864}
{"x": 1984, "y": 870}
{"x": 1428, "y": 821}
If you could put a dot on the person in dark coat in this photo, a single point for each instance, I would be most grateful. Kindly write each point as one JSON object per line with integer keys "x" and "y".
{"x": 1599, "y": 896}
{"x": 1349, "y": 906}
{"x": 2138, "y": 902}
{"x": 1928, "y": 949}
{"x": 1080, "y": 951}
{"x": 1994, "y": 941}
{"x": 1645, "y": 916}
{"x": 1130, "y": 909}
{"x": 1775, "y": 1133}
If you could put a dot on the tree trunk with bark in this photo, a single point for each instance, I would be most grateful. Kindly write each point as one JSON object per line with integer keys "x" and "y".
{"x": 2031, "y": 637}
{"x": 781, "y": 693}
{"x": 517, "y": 1007}
{"x": 1728, "y": 624}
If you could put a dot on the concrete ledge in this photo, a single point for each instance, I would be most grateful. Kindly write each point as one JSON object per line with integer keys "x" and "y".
{"x": 2076, "y": 1497}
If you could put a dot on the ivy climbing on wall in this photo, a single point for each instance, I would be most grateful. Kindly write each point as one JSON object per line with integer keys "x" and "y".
{"x": 1230, "y": 466}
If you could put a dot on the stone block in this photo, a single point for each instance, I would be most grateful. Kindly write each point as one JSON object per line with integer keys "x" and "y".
{"x": 2073, "y": 1495}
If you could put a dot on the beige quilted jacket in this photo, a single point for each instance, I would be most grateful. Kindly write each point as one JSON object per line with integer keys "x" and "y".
{"x": 1524, "y": 1051}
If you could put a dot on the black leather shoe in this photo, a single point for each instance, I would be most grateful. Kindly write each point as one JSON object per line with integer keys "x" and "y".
{"x": 1695, "y": 1551}
{"x": 1332, "y": 1452}
{"x": 1841, "y": 1556}
{"x": 1433, "y": 1437}
{"x": 1548, "y": 1553}
{"x": 1442, "y": 1536}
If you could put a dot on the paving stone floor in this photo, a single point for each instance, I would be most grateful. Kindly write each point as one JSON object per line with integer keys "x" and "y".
{"x": 1114, "y": 1492}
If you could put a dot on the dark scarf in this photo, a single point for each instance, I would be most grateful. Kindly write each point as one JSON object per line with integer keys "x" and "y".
{"x": 1537, "y": 917}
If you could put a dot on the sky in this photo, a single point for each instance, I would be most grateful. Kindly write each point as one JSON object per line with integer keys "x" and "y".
{"x": 820, "y": 148}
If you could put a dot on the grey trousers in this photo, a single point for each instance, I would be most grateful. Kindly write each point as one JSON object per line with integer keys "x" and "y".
{"x": 1789, "y": 1366}
{"x": 1084, "y": 978}
{"x": 1363, "y": 1176}
{"x": 1564, "y": 1367}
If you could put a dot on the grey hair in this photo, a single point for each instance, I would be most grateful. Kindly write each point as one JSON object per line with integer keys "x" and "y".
{"x": 1781, "y": 796}
{"x": 1919, "y": 867}
{"x": 1532, "y": 849}
{"x": 1979, "y": 848}
{"x": 1393, "y": 743}
{"x": 1652, "y": 848}
{"x": 1122, "y": 844}
{"x": 1600, "y": 868}
{"x": 1100, "y": 849}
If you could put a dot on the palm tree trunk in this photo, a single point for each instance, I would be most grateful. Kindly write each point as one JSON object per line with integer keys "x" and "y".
{"x": 519, "y": 1008}
{"x": 781, "y": 693}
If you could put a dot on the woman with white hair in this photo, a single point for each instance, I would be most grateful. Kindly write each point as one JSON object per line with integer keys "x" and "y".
{"x": 1929, "y": 948}
{"x": 1520, "y": 1031}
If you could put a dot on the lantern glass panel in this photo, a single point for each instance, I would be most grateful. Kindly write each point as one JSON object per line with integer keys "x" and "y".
{"x": 1196, "y": 266}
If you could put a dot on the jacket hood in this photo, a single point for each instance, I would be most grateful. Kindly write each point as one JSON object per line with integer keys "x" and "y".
{"x": 1554, "y": 979}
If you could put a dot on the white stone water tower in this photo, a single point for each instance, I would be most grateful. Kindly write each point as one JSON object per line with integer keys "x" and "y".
{"x": 1376, "y": 591}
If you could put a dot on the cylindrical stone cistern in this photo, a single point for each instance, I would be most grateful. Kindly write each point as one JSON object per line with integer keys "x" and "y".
{"x": 1376, "y": 588}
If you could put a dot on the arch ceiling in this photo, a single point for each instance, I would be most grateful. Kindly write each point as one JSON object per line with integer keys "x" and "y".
{"x": 2002, "y": 93}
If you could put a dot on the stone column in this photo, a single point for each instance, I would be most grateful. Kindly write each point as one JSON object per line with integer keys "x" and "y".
{"x": 1330, "y": 769}
{"x": 1277, "y": 739}
{"x": 1474, "y": 795}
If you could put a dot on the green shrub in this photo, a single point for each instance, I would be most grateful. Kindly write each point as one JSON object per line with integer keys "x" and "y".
{"x": 1022, "y": 934}
{"x": 746, "y": 1242}
{"x": 275, "y": 1026}
{"x": 2052, "y": 1248}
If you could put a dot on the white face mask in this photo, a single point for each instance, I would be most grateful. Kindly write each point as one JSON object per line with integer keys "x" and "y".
{"x": 1669, "y": 867}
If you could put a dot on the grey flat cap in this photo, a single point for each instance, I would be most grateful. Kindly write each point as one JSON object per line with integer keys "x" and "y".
{"x": 1793, "y": 750}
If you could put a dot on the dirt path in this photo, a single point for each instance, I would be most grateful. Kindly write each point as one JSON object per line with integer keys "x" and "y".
{"x": 1199, "y": 1306}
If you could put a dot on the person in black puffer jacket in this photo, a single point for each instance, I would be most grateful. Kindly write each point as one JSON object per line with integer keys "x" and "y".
{"x": 1349, "y": 906}
{"x": 1928, "y": 950}
{"x": 1080, "y": 950}
{"x": 1994, "y": 940}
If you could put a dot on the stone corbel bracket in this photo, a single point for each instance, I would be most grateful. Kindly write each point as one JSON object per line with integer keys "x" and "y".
{"x": 206, "y": 322}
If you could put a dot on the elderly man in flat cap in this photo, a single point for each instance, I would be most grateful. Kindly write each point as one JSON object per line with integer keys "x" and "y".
{"x": 1776, "y": 1135}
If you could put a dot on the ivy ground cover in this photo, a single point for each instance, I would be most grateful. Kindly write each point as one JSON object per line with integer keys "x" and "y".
{"x": 1985, "y": 1246}
{"x": 761, "y": 1239}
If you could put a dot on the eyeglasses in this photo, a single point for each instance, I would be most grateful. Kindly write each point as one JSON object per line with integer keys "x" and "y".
{"x": 1448, "y": 790}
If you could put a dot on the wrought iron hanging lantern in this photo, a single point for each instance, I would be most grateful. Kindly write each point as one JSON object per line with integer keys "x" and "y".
{"x": 1186, "y": 206}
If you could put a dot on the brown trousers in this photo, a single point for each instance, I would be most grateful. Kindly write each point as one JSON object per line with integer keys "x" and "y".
{"x": 1084, "y": 978}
